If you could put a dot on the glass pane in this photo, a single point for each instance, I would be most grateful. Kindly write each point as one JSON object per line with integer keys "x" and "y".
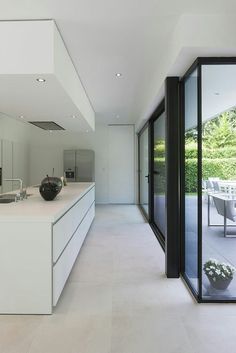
{"x": 144, "y": 170}
{"x": 159, "y": 174}
{"x": 191, "y": 180}
{"x": 219, "y": 181}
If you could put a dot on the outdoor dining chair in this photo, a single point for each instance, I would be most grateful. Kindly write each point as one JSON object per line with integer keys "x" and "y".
{"x": 226, "y": 208}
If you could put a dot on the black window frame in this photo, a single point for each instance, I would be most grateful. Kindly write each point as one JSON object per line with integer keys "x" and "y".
{"x": 198, "y": 63}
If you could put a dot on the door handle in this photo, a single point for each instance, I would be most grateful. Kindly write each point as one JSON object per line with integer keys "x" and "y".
{"x": 147, "y": 176}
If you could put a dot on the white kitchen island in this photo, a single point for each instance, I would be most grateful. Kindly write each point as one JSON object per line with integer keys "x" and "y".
{"x": 39, "y": 243}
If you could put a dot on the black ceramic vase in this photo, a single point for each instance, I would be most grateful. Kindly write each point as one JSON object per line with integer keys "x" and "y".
{"x": 50, "y": 187}
{"x": 48, "y": 191}
{"x": 53, "y": 180}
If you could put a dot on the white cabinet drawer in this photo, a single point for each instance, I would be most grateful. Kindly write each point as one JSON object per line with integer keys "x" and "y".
{"x": 66, "y": 226}
{"x": 62, "y": 268}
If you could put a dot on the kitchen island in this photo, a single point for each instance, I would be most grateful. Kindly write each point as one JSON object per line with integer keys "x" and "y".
{"x": 39, "y": 243}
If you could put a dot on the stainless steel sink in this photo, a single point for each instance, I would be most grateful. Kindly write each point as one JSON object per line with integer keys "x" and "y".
{"x": 8, "y": 196}
{"x": 4, "y": 200}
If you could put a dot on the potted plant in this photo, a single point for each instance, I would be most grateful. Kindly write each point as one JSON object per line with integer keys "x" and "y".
{"x": 220, "y": 274}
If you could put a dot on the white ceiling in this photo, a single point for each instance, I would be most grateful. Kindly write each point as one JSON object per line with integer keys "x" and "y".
{"x": 106, "y": 36}
{"x": 39, "y": 101}
{"x": 218, "y": 89}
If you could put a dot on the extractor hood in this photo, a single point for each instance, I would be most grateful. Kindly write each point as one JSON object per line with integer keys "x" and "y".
{"x": 47, "y": 125}
{"x": 38, "y": 80}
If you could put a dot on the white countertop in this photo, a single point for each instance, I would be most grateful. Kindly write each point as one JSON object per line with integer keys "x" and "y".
{"x": 36, "y": 209}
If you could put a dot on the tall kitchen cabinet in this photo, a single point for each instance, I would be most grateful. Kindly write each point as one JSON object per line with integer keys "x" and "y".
{"x": 7, "y": 165}
{"x": 14, "y": 163}
{"x": 20, "y": 163}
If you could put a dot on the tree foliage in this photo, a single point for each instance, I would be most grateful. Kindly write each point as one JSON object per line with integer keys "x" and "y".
{"x": 221, "y": 131}
{"x": 217, "y": 132}
{"x": 218, "y": 150}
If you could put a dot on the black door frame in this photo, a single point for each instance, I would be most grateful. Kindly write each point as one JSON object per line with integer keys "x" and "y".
{"x": 172, "y": 241}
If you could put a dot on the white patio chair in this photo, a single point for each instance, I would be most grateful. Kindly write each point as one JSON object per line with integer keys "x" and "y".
{"x": 225, "y": 208}
{"x": 216, "y": 186}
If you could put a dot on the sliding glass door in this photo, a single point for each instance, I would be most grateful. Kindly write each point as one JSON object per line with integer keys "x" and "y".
{"x": 209, "y": 179}
{"x": 144, "y": 170}
{"x": 218, "y": 112}
{"x": 191, "y": 180}
{"x": 159, "y": 174}
{"x": 152, "y": 171}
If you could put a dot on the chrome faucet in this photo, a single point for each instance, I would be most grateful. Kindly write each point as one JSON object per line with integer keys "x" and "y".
{"x": 22, "y": 194}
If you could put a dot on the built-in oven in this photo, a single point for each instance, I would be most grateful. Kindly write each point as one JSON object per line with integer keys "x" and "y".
{"x": 70, "y": 174}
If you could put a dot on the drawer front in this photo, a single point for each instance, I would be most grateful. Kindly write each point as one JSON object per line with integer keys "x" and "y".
{"x": 66, "y": 226}
{"x": 62, "y": 268}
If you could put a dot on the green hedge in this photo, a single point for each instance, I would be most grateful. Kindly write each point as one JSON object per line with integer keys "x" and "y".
{"x": 219, "y": 163}
{"x": 191, "y": 175}
{"x": 159, "y": 151}
{"x": 226, "y": 152}
{"x": 191, "y": 152}
{"x": 223, "y": 168}
{"x": 160, "y": 181}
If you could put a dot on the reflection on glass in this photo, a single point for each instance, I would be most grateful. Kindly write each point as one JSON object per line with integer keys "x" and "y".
{"x": 159, "y": 174}
{"x": 219, "y": 182}
{"x": 191, "y": 180}
{"x": 144, "y": 170}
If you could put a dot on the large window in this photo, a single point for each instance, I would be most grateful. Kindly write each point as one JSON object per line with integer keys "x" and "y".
{"x": 209, "y": 182}
{"x": 219, "y": 181}
{"x": 191, "y": 180}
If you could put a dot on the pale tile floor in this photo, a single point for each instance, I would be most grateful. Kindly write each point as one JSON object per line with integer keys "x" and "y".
{"x": 117, "y": 300}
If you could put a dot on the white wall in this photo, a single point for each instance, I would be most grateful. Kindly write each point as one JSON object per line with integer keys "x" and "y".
{"x": 14, "y": 130}
{"x": 46, "y": 152}
{"x": 121, "y": 159}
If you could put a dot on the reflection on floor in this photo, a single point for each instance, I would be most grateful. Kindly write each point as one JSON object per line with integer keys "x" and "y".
{"x": 145, "y": 207}
{"x": 214, "y": 245}
{"x": 160, "y": 212}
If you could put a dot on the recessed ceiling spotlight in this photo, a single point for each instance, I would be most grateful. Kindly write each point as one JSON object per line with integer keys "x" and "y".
{"x": 73, "y": 116}
{"x": 21, "y": 116}
{"x": 50, "y": 131}
{"x": 40, "y": 79}
{"x": 87, "y": 131}
{"x": 118, "y": 74}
